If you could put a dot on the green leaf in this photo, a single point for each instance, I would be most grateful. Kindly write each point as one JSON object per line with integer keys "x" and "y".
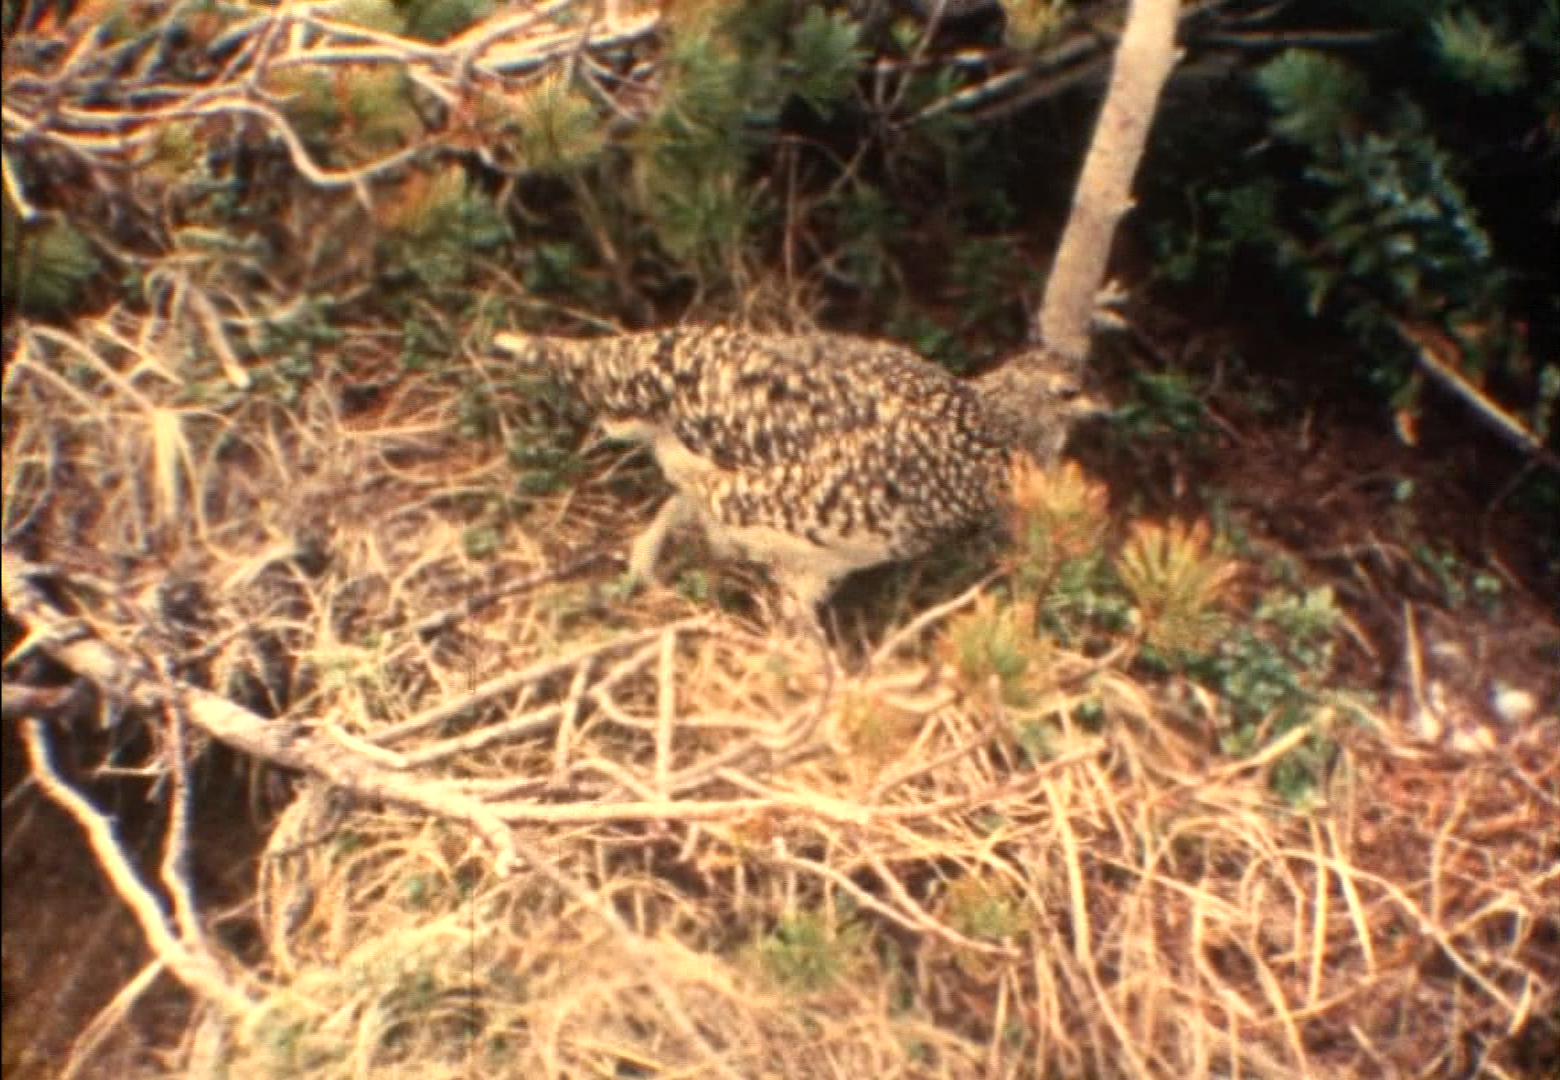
{"x": 1478, "y": 54}
{"x": 369, "y": 14}
{"x": 45, "y": 264}
{"x": 1314, "y": 96}
{"x": 556, "y": 128}
{"x": 440, "y": 20}
{"x": 825, "y": 58}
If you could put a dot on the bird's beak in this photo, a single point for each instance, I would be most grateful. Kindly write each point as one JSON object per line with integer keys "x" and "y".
{"x": 1089, "y": 407}
{"x": 512, "y": 344}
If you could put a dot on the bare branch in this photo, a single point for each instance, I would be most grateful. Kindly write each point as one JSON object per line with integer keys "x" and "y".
{"x": 1428, "y": 347}
{"x": 194, "y": 967}
{"x": 128, "y": 679}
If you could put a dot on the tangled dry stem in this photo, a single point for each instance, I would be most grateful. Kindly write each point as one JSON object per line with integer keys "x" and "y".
{"x": 674, "y": 793}
{"x": 59, "y": 104}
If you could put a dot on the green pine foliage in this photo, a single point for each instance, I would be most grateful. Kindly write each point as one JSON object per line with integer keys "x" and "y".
{"x": 555, "y": 128}
{"x": 369, "y": 14}
{"x": 730, "y": 71}
{"x": 1266, "y": 655}
{"x": 437, "y": 230}
{"x": 1361, "y": 190}
{"x": 1384, "y": 224}
{"x": 1394, "y": 225}
{"x": 43, "y": 264}
{"x": 349, "y": 115}
{"x": 693, "y": 156}
{"x": 440, "y": 20}
{"x": 381, "y": 116}
{"x": 824, "y": 60}
{"x": 1477, "y": 53}
{"x": 1314, "y": 97}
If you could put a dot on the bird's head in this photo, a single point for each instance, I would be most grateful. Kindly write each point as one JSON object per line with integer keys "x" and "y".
{"x": 1034, "y": 400}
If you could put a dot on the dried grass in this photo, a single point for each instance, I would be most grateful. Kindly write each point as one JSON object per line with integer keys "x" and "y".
{"x": 733, "y": 860}
{"x": 544, "y": 831}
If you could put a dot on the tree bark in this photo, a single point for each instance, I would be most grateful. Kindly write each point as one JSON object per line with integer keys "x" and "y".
{"x": 1142, "y": 63}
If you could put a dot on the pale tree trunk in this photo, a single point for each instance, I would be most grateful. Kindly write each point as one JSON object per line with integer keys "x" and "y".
{"x": 1142, "y": 63}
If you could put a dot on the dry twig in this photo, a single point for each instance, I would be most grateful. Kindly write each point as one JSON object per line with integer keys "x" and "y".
{"x": 128, "y": 679}
{"x": 187, "y": 958}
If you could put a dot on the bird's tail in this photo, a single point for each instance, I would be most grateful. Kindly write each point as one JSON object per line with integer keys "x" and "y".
{"x": 620, "y": 375}
{"x": 531, "y": 352}
{"x": 565, "y": 360}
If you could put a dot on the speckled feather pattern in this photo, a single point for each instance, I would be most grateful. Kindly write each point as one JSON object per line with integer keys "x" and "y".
{"x": 856, "y": 449}
{"x": 830, "y": 434}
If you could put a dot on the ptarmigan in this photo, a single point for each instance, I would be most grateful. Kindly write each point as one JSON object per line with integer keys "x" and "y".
{"x": 817, "y": 454}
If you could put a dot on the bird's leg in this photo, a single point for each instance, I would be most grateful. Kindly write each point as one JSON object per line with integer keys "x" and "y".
{"x": 722, "y": 546}
{"x": 802, "y": 594}
{"x": 645, "y": 551}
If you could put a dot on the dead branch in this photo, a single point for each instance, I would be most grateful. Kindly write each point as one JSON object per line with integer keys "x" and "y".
{"x": 1429, "y": 350}
{"x": 50, "y": 106}
{"x": 175, "y": 863}
{"x": 56, "y": 704}
{"x": 187, "y": 958}
{"x": 108, "y": 1018}
{"x": 128, "y": 680}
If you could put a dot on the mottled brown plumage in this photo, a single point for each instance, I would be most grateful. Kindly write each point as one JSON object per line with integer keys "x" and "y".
{"x": 818, "y": 454}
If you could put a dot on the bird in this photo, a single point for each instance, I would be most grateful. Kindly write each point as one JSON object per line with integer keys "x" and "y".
{"x": 817, "y": 454}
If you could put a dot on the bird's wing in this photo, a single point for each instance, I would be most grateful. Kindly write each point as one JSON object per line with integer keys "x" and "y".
{"x": 787, "y": 399}
{"x": 906, "y": 481}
